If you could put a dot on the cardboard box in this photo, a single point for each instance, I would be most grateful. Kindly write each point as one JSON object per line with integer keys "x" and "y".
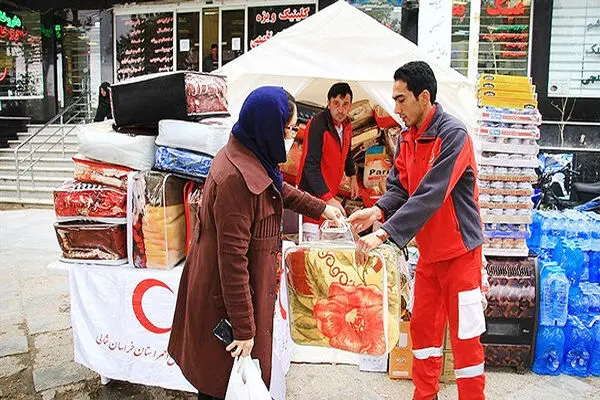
{"x": 401, "y": 356}
{"x": 448, "y": 368}
{"x": 525, "y": 80}
{"x": 447, "y": 343}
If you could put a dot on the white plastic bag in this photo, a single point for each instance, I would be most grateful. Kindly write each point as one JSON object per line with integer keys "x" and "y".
{"x": 245, "y": 382}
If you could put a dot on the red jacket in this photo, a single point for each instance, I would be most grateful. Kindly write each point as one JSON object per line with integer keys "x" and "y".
{"x": 324, "y": 158}
{"x": 432, "y": 190}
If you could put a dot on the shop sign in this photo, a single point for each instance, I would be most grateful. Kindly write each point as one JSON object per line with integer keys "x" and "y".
{"x": 11, "y": 27}
{"x": 265, "y": 22}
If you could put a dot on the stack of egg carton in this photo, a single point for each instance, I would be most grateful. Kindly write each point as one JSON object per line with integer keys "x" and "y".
{"x": 508, "y": 130}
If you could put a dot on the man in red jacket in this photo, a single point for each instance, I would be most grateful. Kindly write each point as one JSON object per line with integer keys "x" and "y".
{"x": 326, "y": 152}
{"x": 432, "y": 194}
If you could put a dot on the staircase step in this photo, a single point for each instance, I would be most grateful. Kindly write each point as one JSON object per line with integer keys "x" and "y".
{"x": 38, "y": 181}
{"x": 29, "y": 192}
{"x": 66, "y": 162}
{"x": 38, "y": 203}
{"x": 39, "y": 172}
{"x": 38, "y": 147}
{"x": 56, "y": 152}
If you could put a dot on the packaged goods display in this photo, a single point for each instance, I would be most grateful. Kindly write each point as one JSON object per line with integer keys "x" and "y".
{"x": 507, "y": 158}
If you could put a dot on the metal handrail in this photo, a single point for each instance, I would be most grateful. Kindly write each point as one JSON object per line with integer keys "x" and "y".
{"x": 32, "y": 150}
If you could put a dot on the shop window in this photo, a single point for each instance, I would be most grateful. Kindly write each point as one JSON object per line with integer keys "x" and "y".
{"x": 574, "y": 69}
{"x": 504, "y": 36}
{"x": 461, "y": 11}
{"x": 232, "y": 34}
{"x": 210, "y": 38}
{"x": 188, "y": 41}
{"x": 21, "y": 67}
{"x": 144, "y": 44}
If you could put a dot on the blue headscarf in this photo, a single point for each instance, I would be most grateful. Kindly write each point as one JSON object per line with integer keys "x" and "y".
{"x": 260, "y": 127}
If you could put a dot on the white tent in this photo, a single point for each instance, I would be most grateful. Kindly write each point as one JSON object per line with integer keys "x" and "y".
{"x": 340, "y": 43}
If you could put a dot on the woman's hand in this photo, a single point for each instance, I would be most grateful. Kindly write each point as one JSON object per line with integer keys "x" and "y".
{"x": 240, "y": 347}
{"x": 334, "y": 214}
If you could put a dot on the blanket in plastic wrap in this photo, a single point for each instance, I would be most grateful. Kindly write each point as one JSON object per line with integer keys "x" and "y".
{"x": 192, "y": 196}
{"x": 207, "y": 136}
{"x": 86, "y": 201}
{"x": 94, "y": 243}
{"x": 90, "y": 171}
{"x": 182, "y": 162}
{"x": 99, "y": 141}
{"x": 156, "y": 227}
{"x": 143, "y": 101}
{"x": 335, "y": 303}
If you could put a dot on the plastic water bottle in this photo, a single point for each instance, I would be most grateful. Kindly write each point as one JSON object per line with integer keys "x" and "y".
{"x": 570, "y": 258}
{"x": 535, "y": 232}
{"x": 579, "y": 343}
{"x": 546, "y": 230}
{"x": 549, "y": 350}
{"x": 578, "y": 302}
{"x": 594, "y": 266}
{"x": 554, "y": 296}
{"x": 595, "y": 359}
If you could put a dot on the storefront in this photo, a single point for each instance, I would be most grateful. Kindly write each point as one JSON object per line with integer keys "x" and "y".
{"x": 163, "y": 37}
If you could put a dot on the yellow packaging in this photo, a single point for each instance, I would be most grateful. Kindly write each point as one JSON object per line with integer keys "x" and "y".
{"x": 507, "y": 103}
{"x": 508, "y": 87}
{"x": 504, "y": 78}
{"x": 401, "y": 356}
{"x": 525, "y": 96}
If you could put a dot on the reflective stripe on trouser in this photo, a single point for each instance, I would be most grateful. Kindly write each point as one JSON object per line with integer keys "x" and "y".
{"x": 438, "y": 287}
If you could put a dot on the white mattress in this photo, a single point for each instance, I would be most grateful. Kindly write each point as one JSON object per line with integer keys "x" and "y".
{"x": 207, "y": 136}
{"x": 99, "y": 141}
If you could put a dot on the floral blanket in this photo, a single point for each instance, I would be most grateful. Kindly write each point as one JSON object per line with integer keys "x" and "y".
{"x": 335, "y": 303}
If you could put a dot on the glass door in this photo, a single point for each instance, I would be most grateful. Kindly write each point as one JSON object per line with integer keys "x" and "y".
{"x": 188, "y": 41}
{"x": 210, "y": 39}
{"x": 232, "y": 34}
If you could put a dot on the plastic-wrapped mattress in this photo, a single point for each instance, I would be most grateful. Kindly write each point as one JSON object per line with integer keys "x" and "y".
{"x": 143, "y": 101}
{"x": 182, "y": 162}
{"x": 95, "y": 243}
{"x": 207, "y": 136}
{"x": 99, "y": 141}
{"x": 86, "y": 201}
{"x": 90, "y": 171}
{"x": 156, "y": 224}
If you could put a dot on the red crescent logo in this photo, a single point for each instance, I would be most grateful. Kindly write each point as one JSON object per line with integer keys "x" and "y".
{"x": 138, "y": 310}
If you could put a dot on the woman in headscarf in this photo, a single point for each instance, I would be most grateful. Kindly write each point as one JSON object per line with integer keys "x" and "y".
{"x": 231, "y": 269}
{"x": 103, "y": 111}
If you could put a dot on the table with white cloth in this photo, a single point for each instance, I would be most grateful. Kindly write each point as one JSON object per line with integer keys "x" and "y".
{"x": 121, "y": 319}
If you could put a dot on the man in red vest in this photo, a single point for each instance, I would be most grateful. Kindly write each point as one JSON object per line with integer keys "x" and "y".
{"x": 326, "y": 152}
{"x": 432, "y": 194}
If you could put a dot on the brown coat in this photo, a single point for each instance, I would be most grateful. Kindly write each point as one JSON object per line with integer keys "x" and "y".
{"x": 231, "y": 268}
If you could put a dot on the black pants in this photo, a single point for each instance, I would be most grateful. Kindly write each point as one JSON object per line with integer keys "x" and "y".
{"x": 202, "y": 396}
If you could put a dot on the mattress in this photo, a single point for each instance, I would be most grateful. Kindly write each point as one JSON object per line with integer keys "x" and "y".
{"x": 100, "y": 142}
{"x": 86, "y": 201}
{"x": 182, "y": 162}
{"x": 207, "y": 136}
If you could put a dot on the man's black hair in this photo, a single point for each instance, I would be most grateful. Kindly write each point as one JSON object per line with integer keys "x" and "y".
{"x": 213, "y": 46}
{"x": 418, "y": 77}
{"x": 291, "y": 104}
{"x": 339, "y": 89}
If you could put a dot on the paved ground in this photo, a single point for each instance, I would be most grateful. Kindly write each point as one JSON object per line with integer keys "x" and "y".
{"x": 36, "y": 351}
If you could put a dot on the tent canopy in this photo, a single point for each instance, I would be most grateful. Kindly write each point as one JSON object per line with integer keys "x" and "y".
{"x": 340, "y": 43}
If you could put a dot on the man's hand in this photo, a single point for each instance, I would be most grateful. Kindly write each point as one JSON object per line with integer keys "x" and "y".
{"x": 364, "y": 247}
{"x": 335, "y": 203}
{"x": 334, "y": 214}
{"x": 354, "y": 189}
{"x": 364, "y": 219}
{"x": 240, "y": 347}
